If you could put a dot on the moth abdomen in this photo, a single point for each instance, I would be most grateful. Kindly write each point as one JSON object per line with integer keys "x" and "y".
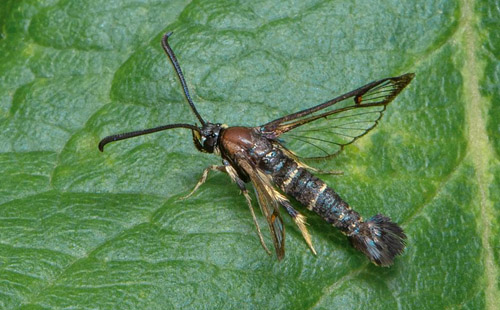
{"x": 378, "y": 238}
{"x": 337, "y": 212}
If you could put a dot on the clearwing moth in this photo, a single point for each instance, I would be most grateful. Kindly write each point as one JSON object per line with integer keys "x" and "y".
{"x": 272, "y": 157}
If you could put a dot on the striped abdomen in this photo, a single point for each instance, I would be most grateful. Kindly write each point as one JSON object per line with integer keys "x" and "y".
{"x": 378, "y": 238}
{"x": 311, "y": 192}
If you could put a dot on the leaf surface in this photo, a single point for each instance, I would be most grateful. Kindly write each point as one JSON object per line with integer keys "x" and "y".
{"x": 83, "y": 229}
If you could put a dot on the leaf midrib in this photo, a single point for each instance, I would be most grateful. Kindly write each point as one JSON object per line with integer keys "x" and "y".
{"x": 479, "y": 148}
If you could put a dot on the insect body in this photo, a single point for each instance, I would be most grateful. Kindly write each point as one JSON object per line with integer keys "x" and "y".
{"x": 262, "y": 155}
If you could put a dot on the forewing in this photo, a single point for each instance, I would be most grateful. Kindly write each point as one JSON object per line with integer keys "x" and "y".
{"x": 324, "y": 130}
{"x": 267, "y": 197}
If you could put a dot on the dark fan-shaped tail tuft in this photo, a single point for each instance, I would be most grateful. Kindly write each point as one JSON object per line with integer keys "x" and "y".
{"x": 380, "y": 239}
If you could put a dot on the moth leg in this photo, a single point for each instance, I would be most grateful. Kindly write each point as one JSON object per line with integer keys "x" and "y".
{"x": 259, "y": 233}
{"x": 234, "y": 176}
{"x": 304, "y": 165}
{"x": 330, "y": 172}
{"x": 203, "y": 179}
{"x": 299, "y": 220}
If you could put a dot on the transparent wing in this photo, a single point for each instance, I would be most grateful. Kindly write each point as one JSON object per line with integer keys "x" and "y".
{"x": 268, "y": 202}
{"x": 325, "y": 129}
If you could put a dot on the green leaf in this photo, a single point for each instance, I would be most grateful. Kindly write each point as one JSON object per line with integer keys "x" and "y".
{"x": 83, "y": 229}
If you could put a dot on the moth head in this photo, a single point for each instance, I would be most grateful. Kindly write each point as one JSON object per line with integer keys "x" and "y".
{"x": 207, "y": 139}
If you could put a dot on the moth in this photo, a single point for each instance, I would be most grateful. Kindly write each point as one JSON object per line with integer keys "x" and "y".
{"x": 272, "y": 157}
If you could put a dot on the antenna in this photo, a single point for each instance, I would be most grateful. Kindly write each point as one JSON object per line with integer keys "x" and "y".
{"x": 171, "y": 56}
{"x": 126, "y": 135}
